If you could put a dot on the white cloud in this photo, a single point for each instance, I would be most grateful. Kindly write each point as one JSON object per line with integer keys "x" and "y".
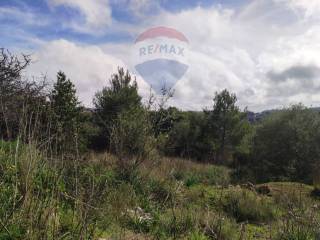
{"x": 310, "y": 8}
{"x": 87, "y": 66}
{"x": 241, "y": 50}
{"x": 302, "y": 49}
{"x": 237, "y": 49}
{"x": 24, "y": 16}
{"x": 96, "y": 13}
{"x": 223, "y": 55}
{"x": 293, "y": 67}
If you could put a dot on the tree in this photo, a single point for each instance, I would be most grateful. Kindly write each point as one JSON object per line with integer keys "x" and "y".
{"x": 125, "y": 123}
{"x": 132, "y": 140}
{"x": 187, "y": 138}
{"x": 121, "y": 96}
{"x": 66, "y": 113}
{"x": 226, "y": 125}
{"x": 286, "y": 146}
{"x": 21, "y": 100}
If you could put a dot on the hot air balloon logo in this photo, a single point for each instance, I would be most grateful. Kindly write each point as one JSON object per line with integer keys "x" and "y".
{"x": 161, "y": 57}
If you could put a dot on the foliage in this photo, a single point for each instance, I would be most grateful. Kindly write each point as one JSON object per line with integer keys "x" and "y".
{"x": 164, "y": 119}
{"x": 130, "y": 192}
{"x": 22, "y": 102}
{"x": 219, "y": 135}
{"x": 66, "y": 113}
{"x": 90, "y": 200}
{"x": 212, "y": 175}
{"x": 131, "y": 140}
{"x": 286, "y": 145}
{"x": 121, "y": 96}
{"x": 227, "y": 126}
{"x": 43, "y": 201}
{"x": 188, "y": 139}
{"x": 245, "y": 205}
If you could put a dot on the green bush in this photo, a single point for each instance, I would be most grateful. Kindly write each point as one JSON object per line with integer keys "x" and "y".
{"x": 245, "y": 205}
{"x": 221, "y": 227}
{"x": 7, "y": 146}
{"x": 197, "y": 236}
{"x": 211, "y": 175}
{"x": 174, "y": 223}
{"x": 15, "y": 232}
{"x": 192, "y": 179}
{"x": 301, "y": 234}
{"x": 160, "y": 191}
{"x": 217, "y": 175}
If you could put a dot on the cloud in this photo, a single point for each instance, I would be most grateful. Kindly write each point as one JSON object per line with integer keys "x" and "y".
{"x": 87, "y": 66}
{"x": 296, "y": 80}
{"x": 138, "y": 8}
{"x": 296, "y": 72}
{"x": 240, "y": 49}
{"x": 309, "y": 8}
{"x": 266, "y": 52}
{"x": 291, "y": 67}
{"x": 96, "y": 13}
{"x": 223, "y": 54}
{"x": 25, "y": 16}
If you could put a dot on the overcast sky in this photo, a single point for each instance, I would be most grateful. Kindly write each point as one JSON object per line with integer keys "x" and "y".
{"x": 265, "y": 51}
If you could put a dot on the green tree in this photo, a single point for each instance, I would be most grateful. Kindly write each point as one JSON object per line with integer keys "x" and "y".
{"x": 22, "y": 102}
{"x": 125, "y": 123}
{"x": 188, "y": 137}
{"x": 132, "y": 140}
{"x": 66, "y": 113}
{"x": 163, "y": 120}
{"x": 227, "y": 126}
{"x": 286, "y": 145}
{"x": 121, "y": 96}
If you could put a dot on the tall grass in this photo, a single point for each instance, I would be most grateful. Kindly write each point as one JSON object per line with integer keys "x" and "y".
{"x": 43, "y": 196}
{"x": 46, "y": 198}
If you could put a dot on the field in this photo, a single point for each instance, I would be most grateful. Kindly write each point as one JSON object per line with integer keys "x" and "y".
{"x": 166, "y": 198}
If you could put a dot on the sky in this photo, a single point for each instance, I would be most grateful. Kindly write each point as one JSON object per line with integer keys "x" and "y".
{"x": 265, "y": 51}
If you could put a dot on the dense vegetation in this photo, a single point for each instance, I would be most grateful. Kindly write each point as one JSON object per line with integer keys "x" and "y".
{"x": 132, "y": 170}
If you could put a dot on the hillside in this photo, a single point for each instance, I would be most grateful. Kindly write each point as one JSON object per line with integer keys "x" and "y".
{"x": 166, "y": 199}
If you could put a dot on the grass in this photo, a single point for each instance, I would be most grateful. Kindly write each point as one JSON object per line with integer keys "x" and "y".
{"x": 245, "y": 205}
{"x": 190, "y": 173}
{"x": 167, "y": 199}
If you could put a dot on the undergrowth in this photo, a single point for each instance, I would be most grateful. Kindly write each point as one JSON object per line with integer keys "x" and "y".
{"x": 43, "y": 197}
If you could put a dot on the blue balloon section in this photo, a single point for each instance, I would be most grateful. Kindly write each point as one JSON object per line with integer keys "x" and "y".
{"x": 161, "y": 73}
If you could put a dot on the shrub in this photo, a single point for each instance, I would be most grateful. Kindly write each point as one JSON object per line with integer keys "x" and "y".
{"x": 40, "y": 200}
{"x": 120, "y": 96}
{"x": 293, "y": 154}
{"x": 132, "y": 142}
{"x": 174, "y": 223}
{"x": 220, "y": 227}
{"x": 160, "y": 191}
{"x": 197, "y": 236}
{"x": 245, "y": 205}
{"x": 294, "y": 234}
{"x": 217, "y": 175}
{"x": 210, "y": 174}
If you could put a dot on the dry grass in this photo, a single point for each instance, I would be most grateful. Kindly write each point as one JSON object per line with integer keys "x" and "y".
{"x": 165, "y": 167}
{"x": 288, "y": 188}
